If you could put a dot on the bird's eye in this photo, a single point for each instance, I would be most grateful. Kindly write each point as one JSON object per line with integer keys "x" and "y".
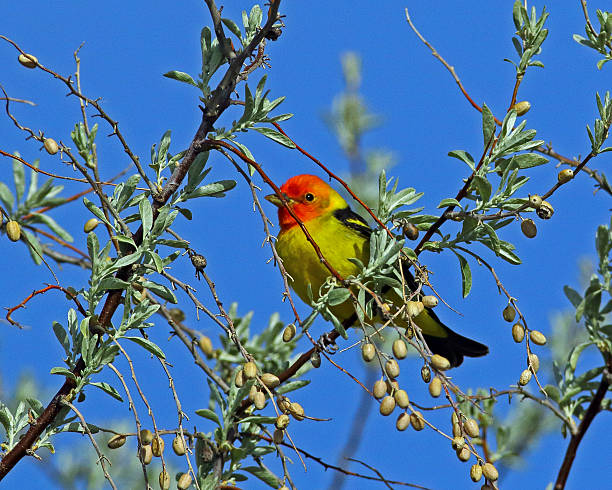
{"x": 309, "y": 197}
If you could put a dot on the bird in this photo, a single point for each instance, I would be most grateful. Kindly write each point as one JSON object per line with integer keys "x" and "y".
{"x": 342, "y": 234}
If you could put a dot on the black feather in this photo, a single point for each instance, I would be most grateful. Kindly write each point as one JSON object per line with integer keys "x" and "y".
{"x": 352, "y": 220}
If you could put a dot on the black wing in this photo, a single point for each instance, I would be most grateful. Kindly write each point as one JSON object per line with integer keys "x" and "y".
{"x": 353, "y": 221}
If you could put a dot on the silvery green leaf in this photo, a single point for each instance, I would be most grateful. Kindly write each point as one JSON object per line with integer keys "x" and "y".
{"x": 488, "y": 125}
{"x": 264, "y": 474}
{"x": 126, "y": 191}
{"x": 448, "y": 202}
{"x": 62, "y": 336}
{"x": 18, "y": 177}
{"x": 7, "y": 198}
{"x": 107, "y": 389}
{"x": 181, "y": 77}
{"x": 127, "y": 260}
{"x": 160, "y": 290}
{"x": 233, "y": 27}
{"x": 466, "y": 275}
{"x": 338, "y": 296}
{"x": 52, "y": 224}
{"x": 148, "y": 345}
{"x": 337, "y": 324}
{"x": 464, "y": 156}
{"x": 33, "y": 246}
{"x": 113, "y": 283}
{"x": 62, "y": 371}
{"x": 274, "y": 135}
{"x": 291, "y": 386}
{"x": 216, "y": 189}
{"x": 96, "y": 211}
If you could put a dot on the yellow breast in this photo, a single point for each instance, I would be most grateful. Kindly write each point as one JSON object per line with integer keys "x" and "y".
{"x": 338, "y": 243}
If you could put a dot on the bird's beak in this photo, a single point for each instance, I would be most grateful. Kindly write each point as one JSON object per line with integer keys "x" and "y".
{"x": 274, "y": 199}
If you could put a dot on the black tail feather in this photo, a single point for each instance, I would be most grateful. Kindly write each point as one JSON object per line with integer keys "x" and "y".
{"x": 455, "y": 346}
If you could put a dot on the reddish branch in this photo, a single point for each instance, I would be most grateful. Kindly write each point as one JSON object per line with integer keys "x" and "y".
{"x": 593, "y": 409}
{"x": 334, "y": 176}
{"x": 42, "y": 291}
{"x": 215, "y": 106}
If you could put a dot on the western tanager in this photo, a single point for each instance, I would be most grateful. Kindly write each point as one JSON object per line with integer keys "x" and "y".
{"x": 342, "y": 234}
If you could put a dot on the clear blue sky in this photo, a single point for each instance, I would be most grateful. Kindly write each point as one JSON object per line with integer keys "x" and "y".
{"x": 129, "y": 45}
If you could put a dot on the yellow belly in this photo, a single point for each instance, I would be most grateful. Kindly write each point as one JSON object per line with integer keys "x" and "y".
{"x": 337, "y": 244}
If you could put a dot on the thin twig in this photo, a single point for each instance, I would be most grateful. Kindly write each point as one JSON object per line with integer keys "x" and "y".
{"x": 101, "y": 458}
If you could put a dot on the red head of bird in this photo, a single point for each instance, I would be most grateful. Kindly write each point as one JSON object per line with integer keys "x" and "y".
{"x": 308, "y": 197}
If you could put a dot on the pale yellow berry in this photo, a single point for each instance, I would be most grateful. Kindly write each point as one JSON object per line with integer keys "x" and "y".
{"x": 259, "y": 400}
{"x": 457, "y": 443}
{"x": 146, "y": 454}
{"x": 13, "y": 231}
{"x": 387, "y": 405}
{"x": 439, "y": 362}
{"x": 289, "y": 333}
{"x": 522, "y": 107}
{"x": 490, "y": 472}
{"x": 28, "y": 60}
{"x": 537, "y": 338}
{"x": 403, "y": 421}
{"x": 206, "y": 345}
{"x": 392, "y": 368}
{"x": 178, "y": 445}
{"x": 368, "y": 351}
{"x": 430, "y": 301}
{"x": 146, "y": 437}
{"x": 385, "y": 309}
{"x": 534, "y": 362}
{"x": 392, "y": 386}
{"x": 239, "y": 381}
{"x": 116, "y": 441}
{"x": 518, "y": 333}
{"x": 282, "y": 421}
{"x": 417, "y": 421}
{"x": 414, "y": 308}
{"x": 157, "y": 446}
{"x": 277, "y": 437}
{"x": 399, "y": 348}
{"x": 297, "y": 411}
{"x": 284, "y": 404}
{"x": 525, "y": 377}
{"x": 435, "y": 387}
{"x": 401, "y": 398}
{"x": 270, "y": 380}
{"x": 51, "y": 146}
{"x": 249, "y": 370}
{"x": 535, "y": 201}
{"x": 164, "y": 480}
{"x": 184, "y": 481}
{"x": 90, "y": 225}
{"x": 471, "y": 428}
{"x": 565, "y": 175}
{"x": 476, "y": 472}
{"x": 464, "y": 454}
